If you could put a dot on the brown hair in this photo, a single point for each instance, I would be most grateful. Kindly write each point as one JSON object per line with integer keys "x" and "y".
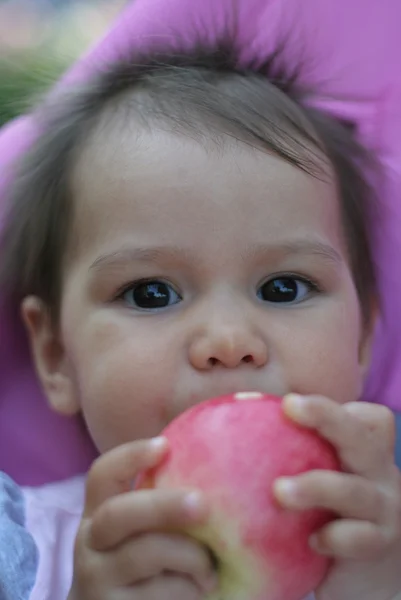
{"x": 199, "y": 92}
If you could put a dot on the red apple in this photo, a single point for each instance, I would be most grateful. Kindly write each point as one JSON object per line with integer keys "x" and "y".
{"x": 233, "y": 448}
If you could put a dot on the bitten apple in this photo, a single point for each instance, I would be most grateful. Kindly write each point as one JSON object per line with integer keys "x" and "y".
{"x": 233, "y": 448}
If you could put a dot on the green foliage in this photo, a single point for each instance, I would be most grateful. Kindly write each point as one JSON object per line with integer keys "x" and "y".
{"x": 23, "y": 80}
{"x": 42, "y": 46}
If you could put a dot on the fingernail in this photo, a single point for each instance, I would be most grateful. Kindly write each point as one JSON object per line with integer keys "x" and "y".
{"x": 158, "y": 443}
{"x": 294, "y": 405}
{"x": 193, "y": 505}
{"x": 285, "y": 490}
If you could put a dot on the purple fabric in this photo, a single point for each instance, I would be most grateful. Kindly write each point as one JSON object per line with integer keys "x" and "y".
{"x": 351, "y": 52}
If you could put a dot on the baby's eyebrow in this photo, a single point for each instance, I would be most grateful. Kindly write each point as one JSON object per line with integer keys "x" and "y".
{"x": 127, "y": 255}
{"x": 155, "y": 254}
{"x": 297, "y": 247}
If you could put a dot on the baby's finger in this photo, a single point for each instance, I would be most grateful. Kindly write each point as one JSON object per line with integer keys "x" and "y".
{"x": 139, "y": 511}
{"x": 379, "y": 422}
{"x": 113, "y": 472}
{"x": 151, "y": 555}
{"x": 360, "y": 446}
{"x": 349, "y": 539}
{"x": 347, "y": 495}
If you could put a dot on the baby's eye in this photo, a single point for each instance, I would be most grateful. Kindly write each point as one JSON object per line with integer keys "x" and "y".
{"x": 286, "y": 290}
{"x": 150, "y": 295}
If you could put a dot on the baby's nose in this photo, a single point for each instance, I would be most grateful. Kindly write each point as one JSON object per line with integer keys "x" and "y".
{"x": 229, "y": 348}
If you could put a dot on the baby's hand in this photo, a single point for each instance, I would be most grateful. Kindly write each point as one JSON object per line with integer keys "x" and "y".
{"x": 365, "y": 541}
{"x": 126, "y": 548}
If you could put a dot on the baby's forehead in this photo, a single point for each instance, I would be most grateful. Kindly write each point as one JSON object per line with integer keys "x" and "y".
{"x": 122, "y": 133}
{"x": 207, "y": 108}
{"x": 147, "y": 182}
{"x": 119, "y": 151}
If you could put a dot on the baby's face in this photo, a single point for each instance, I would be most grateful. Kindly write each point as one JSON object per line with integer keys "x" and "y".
{"x": 199, "y": 270}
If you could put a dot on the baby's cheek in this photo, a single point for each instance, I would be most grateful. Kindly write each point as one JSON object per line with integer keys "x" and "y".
{"x": 327, "y": 363}
{"x": 115, "y": 405}
{"x": 123, "y": 391}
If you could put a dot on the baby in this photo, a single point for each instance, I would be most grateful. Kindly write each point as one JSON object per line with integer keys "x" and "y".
{"x": 182, "y": 229}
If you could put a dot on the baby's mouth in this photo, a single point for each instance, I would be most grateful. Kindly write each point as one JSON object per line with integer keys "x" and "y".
{"x": 226, "y": 390}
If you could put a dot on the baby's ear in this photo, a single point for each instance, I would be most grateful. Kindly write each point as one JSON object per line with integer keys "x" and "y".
{"x": 49, "y": 357}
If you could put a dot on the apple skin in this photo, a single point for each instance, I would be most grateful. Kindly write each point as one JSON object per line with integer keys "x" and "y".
{"x": 233, "y": 448}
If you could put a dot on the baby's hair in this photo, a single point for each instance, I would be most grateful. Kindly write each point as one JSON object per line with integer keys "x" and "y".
{"x": 205, "y": 94}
